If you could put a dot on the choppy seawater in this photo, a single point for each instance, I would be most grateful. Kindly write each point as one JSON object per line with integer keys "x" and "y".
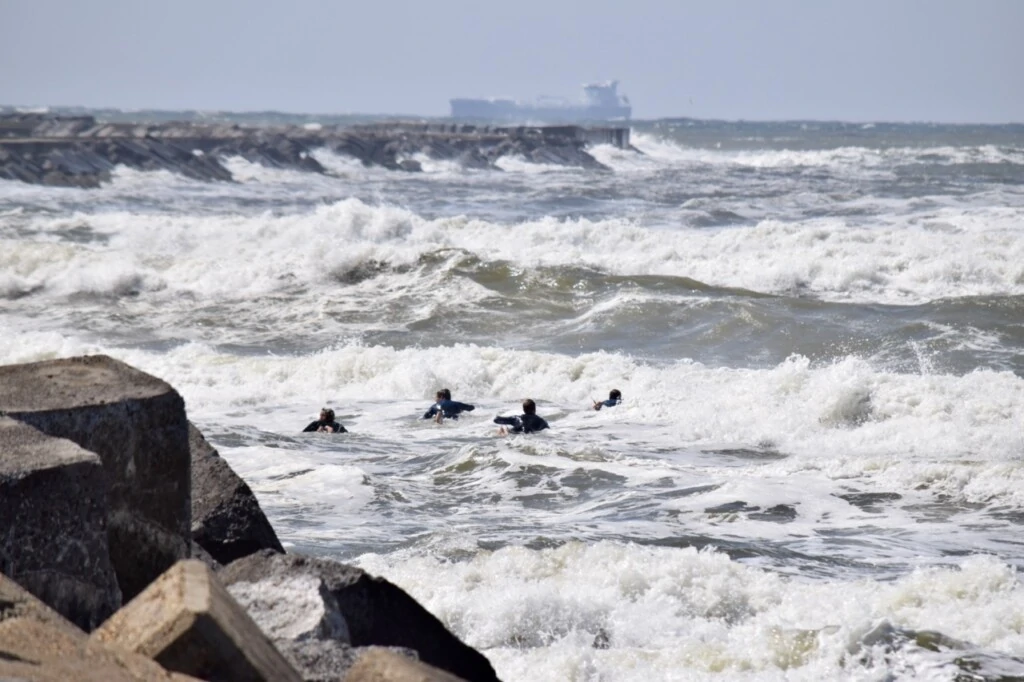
{"x": 817, "y": 329}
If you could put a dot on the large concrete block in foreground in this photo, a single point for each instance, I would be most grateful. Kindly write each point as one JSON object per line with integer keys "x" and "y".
{"x": 36, "y": 652}
{"x": 227, "y": 520}
{"x": 53, "y": 524}
{"x": 376, "y": 612}
{"x": 187, "y": 622}
{"x": 37, "y": 644}
{"x": 136, "y": 424}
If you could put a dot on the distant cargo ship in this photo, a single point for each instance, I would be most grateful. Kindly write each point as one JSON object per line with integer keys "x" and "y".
{"x": 601, "y": 102}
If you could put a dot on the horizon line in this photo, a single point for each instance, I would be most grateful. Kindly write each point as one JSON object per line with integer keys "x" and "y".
{"x": 50, "y": 108}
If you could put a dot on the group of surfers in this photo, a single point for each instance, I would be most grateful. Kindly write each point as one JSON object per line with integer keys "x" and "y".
{"x": 446, "y": 408}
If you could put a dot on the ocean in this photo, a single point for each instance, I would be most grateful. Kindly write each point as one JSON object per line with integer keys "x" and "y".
{"x": 817, "y": 328}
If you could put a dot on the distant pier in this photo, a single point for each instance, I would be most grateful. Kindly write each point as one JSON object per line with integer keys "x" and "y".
{"x": 79, "y": 151}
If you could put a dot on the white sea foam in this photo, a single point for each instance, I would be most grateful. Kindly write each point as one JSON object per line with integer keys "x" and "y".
{"x": 519, "y": 164}
{"x": 924, "y": 255}
{"x": 652, "y": 611}
{"x": 243, "y": 170}
{"x": 445, "y": 167}
{"x": 625, "y": 160}
{"x": 340, "y": 164}
{"x": 842, "y": 420}
{"x": 667, "y": 151}
{"x": 848, "y": 158}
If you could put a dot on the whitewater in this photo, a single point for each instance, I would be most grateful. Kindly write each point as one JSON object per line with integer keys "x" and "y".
{"x": 817, "y": 329}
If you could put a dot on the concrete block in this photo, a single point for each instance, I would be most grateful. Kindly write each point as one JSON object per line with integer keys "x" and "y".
{"x": 136, "y": 423}
{"x": 226, "y": 517}
{"x": 187, "y": 622}
{"x": 37, "y": 643}
{"x": 40, "y": 652}
{"x": 381, "y": 665}
{"x": 53, "y": 524}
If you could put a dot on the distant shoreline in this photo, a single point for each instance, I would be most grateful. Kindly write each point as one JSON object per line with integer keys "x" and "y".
{"x": 271, "y": 117}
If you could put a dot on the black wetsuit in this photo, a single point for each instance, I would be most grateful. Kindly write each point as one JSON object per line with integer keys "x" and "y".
{"x": 524, "y": 423}
{"x": 611, "y": 402}
{"x": 330, "y": 427}
{"x": 449, "y": 408}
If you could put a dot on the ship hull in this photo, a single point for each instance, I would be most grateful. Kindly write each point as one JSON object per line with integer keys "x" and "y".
{"x": 508, "y": 111}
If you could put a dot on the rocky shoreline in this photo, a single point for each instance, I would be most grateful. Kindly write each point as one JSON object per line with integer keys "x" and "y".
{"x": 131, "y": 551}
{"x": 80, "y": 151}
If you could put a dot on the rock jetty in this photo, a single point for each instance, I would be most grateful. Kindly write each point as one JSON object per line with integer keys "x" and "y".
{"x": 131, "y": 551}
{"x": 80, "y": 151}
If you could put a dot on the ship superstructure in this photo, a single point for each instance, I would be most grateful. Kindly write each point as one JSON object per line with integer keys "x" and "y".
{"x": 601, "y": 102}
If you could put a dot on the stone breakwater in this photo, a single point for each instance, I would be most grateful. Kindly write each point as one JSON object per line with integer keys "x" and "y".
{"x": 130, "y": 550}
{"x": 79, "y": 151}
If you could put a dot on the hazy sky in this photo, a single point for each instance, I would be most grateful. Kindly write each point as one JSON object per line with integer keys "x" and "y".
{"x": 859, "y": 60}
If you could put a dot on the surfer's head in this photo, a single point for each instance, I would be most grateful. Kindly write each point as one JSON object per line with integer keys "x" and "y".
{"x": 615, "y": 394}
{"x": 529, "y": 407}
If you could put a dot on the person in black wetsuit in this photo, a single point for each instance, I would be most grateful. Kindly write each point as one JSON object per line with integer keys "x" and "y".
{"x": 446, "y": 408}
{"x": 326, "y": 423}
{"x": 528, "y": 422}
{"x": 614, "y": 398}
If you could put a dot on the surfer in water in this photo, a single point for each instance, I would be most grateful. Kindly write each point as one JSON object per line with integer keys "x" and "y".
{"x": 614, "y": 398}
{"x": 446, "y": 408}
{"x": 326, "y": 423}
{"x": 528, "y": 422}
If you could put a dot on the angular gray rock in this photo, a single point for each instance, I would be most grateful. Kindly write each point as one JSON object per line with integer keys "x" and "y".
{"x": 227, "y": 520}
{"x": 204, "y": 556}
{"x": 376, "y": 612}
{"x": 136, "y": 424}
{"x": 302, "y": 618}
{"x": 294, "y": 606}
{"x": 319, "y": 660}
{"x": 20, "y": 604}
{"x": 53, "y": 524}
